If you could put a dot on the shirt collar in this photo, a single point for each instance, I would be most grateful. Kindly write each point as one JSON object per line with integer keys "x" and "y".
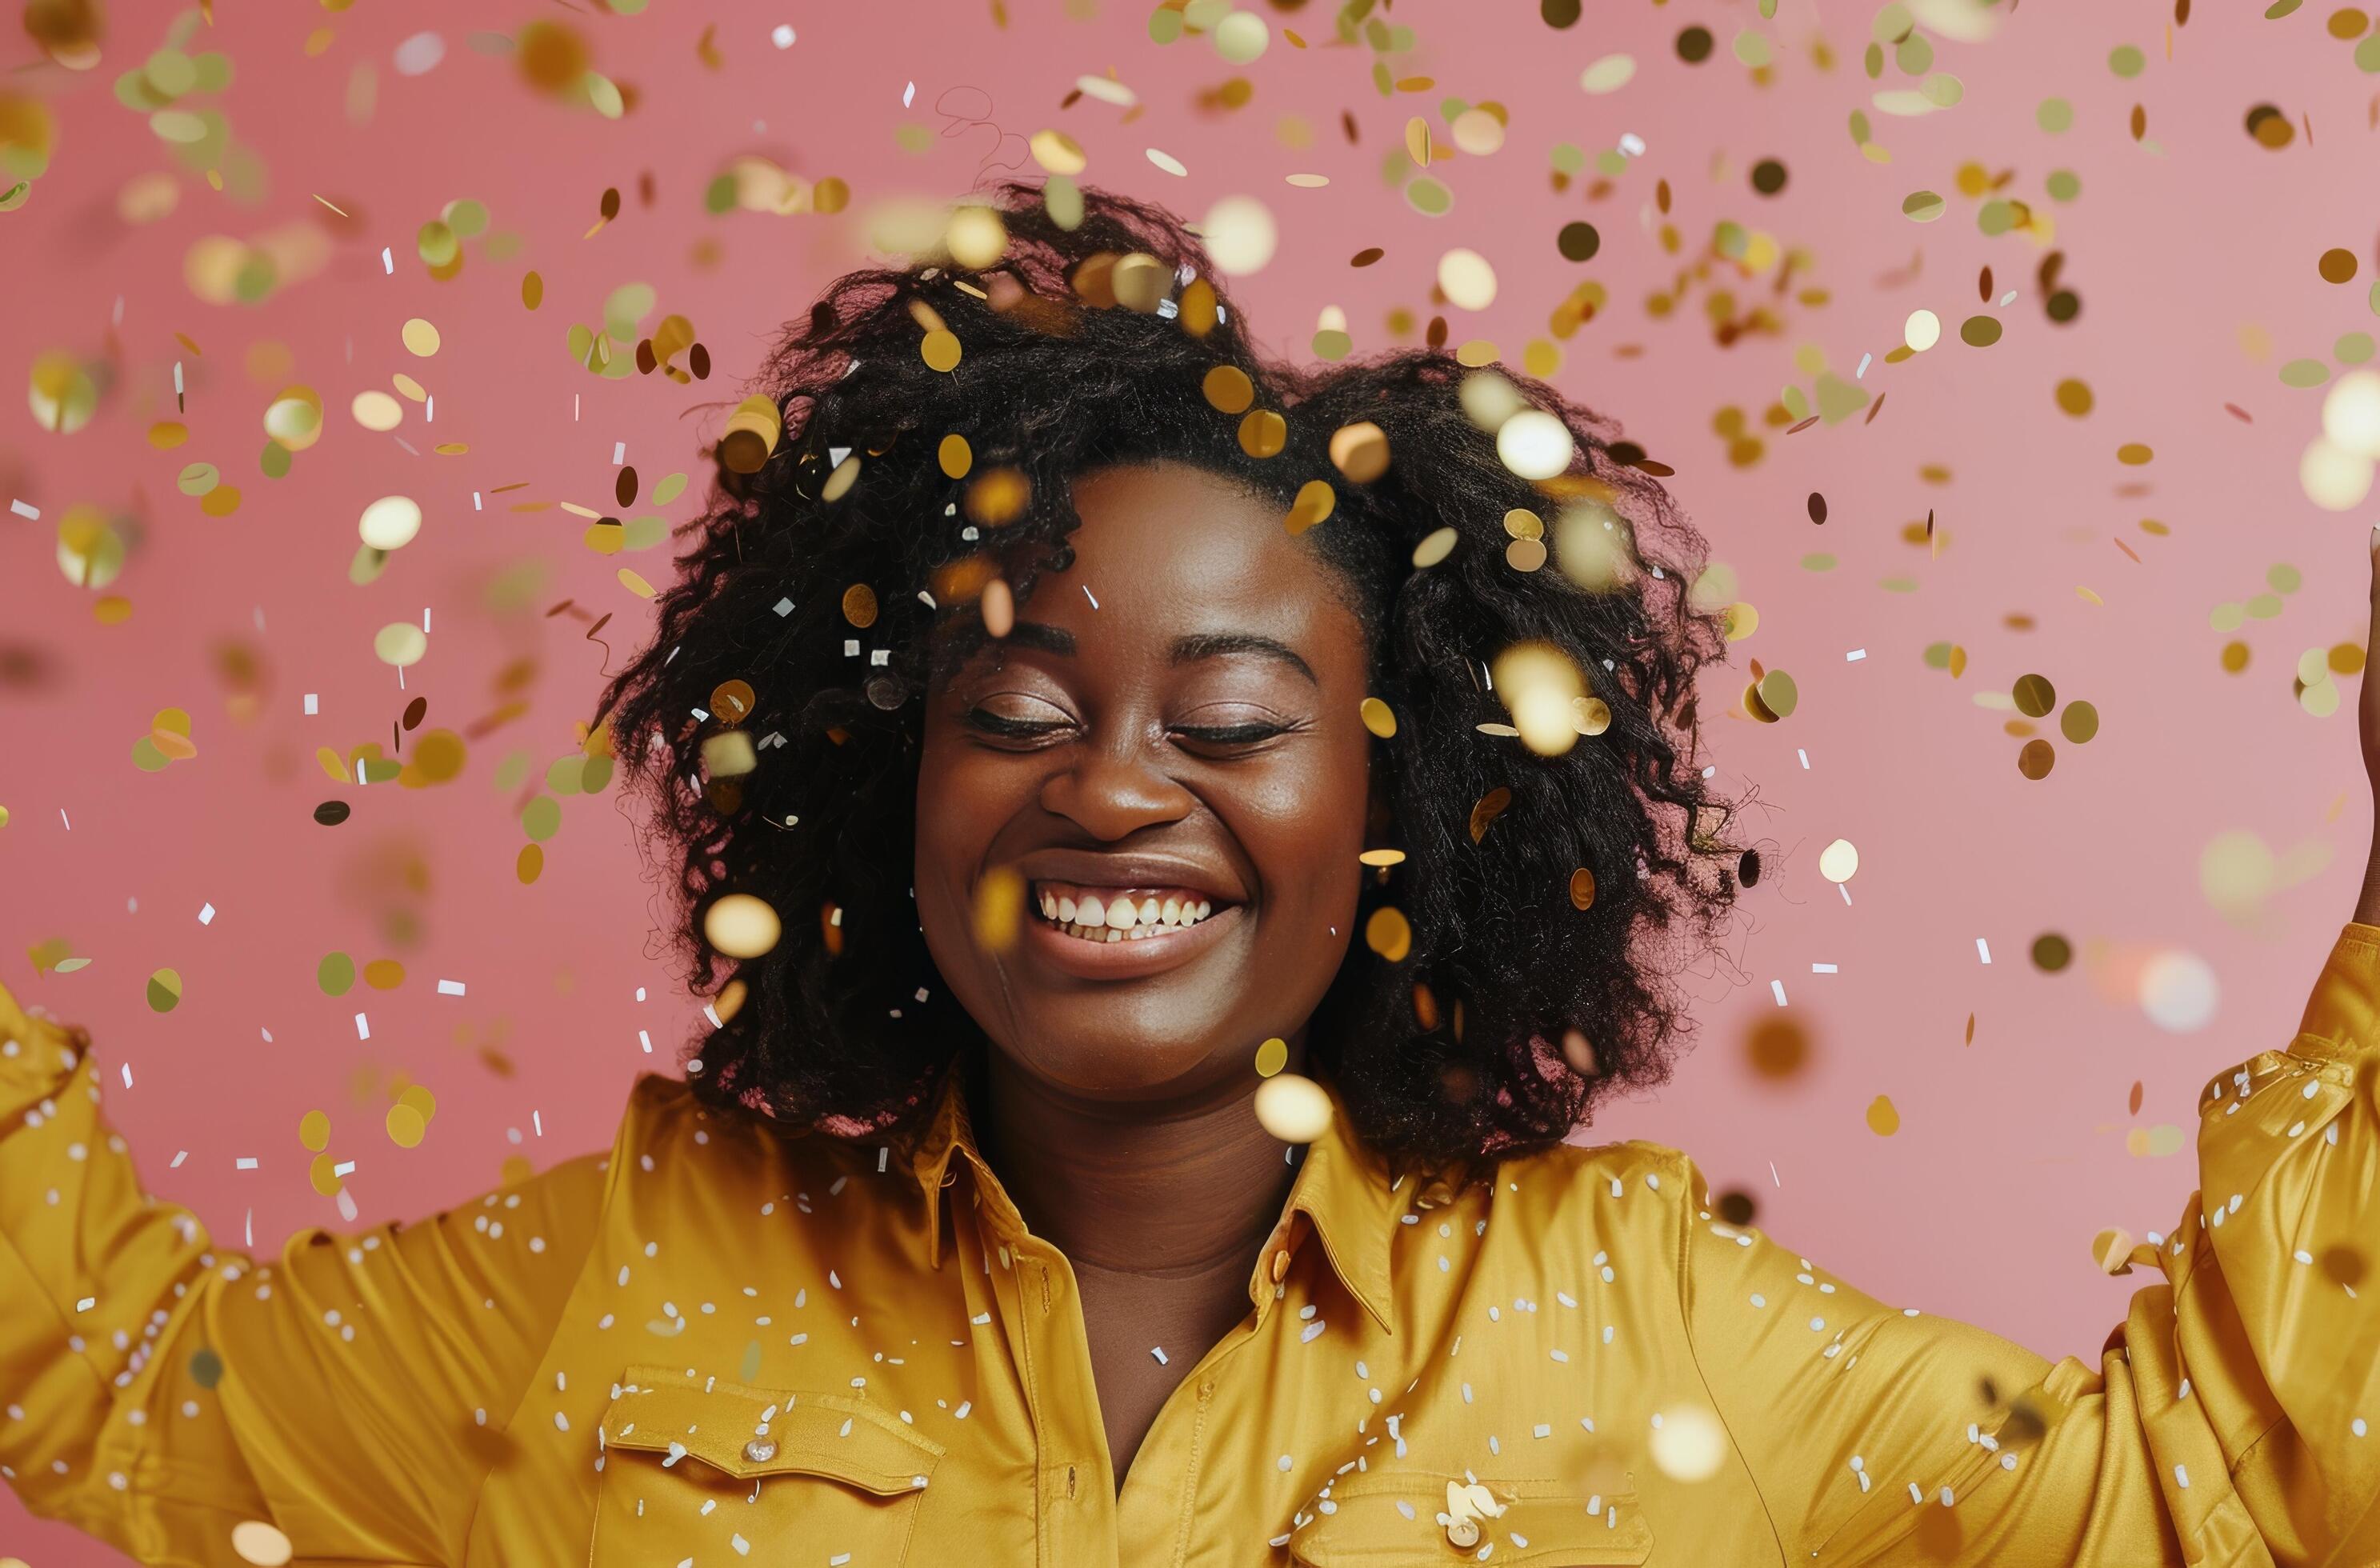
{"x": 1343, "y": 1188}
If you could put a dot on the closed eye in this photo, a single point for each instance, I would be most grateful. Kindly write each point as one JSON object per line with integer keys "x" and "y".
{"x": 1254, "y": 732}
{"x": 1009, "y": 726}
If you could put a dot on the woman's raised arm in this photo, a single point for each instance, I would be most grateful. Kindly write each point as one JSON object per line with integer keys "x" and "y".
{"x": 2231, "y": 1418}
{"x": 157, "y": 1392}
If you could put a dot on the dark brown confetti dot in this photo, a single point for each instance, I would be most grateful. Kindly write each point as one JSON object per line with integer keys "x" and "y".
{"x": 698, "y": 359}
{"x": 623, "y": 487}
{"x": 645, "y": 363}
{"x": 331, "y": 813}
{"x": 1983, "y": 285}
{"x": 206, "y": 1368}
{"x": 414, "y": 711}
{"x": 2140, "y": 122}
{"x": 2337, "y": 266}
{"x": 1578, "y": 241}
{"x": 1747, "y": 869}
{"x": 1735, "y": 1207}
{"x": 2270, "y": 128}
{"x": 2052, "y": 952}
{"x": 1777, "y": 1048}
{"x": 1694, "y": 45}
{"x": 610, "y": 203}
{"x": 1558, "y": 13}
{"x": 1818, "y": 507}
{"x": 2132, "y": 1103}
{"x": 1768, "y": 176}
{"x": 2064, "y": 306}
{"x": 2036, "y": 758}
{"x": 1366, "y": 256}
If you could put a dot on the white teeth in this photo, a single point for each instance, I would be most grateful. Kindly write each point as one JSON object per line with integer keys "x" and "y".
{"x": 1118, "y": 916}
{"x": 1114, "y": 935}
{"x": 1172, "y": 913}
{"x": 1049, "y": 907}
{"x": 1066, "y": 910}
{"x": 1090, "y": 911}
{"x": 1121, "y": 913}
{"x": 1147, "y": 912}
{"x": 1205, "y": 908}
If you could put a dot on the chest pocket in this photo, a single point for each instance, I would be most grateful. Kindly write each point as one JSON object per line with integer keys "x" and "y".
{"x": 1384, "y": 1517}
{"x": 713, "y": 1471}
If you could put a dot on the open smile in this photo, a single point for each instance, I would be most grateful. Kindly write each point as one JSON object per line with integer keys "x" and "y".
{"x": 1114, "y": 933}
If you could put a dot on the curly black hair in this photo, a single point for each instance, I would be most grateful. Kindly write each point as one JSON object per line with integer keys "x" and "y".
{"x": 1552, "y": 900}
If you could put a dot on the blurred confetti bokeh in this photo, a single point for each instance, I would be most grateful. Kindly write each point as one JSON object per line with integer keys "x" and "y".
{"x": 2014, "y": 359}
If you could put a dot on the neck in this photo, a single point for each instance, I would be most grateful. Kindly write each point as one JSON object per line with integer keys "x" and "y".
{"x": 1158, "y": 1189}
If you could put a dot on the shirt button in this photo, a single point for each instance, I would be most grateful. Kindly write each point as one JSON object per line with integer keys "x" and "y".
{"x": 759, "y": 1450}
{"x": 1279, "y": 1265}
{"x": 1463, "y": 1535}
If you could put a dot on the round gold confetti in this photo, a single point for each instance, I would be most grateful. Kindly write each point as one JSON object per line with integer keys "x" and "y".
{"x": 1228, "y": 389}
{"x": 400, "y": 643}
{"x": 860, "y": 606}
{"x": 1263, "y": 434}
{"x": 1378, "y": 717}
{"x": 390, "y": 523}
{"x": 1381, "y": 857}
{"x": 995, "y": 496}
{"x": 377, "y": 411}
{"x": 2074, "y": 396}
{"x": 1271, "y": 1057}
{"x": 1979, "y": 331}
{"x": 1582, "y": 889}
{"x": 1590, "y": 715}
{"x": 2079, "y": 723}
{"x": 2034, "y": 695}
{"x": 955, "y": 457}
{"x": 529, "y": 864}
{"x": 2337, "y": 266}
{"x": 1525, "y": 554}
{"x": 940, "y": 349}
{"x": 1778, "y": 693}
{"x": 999, "y": 908}
{"x": 164, "y": 990}
{"x": 421, "y": 337}
{"x": 2036, "y": 758}
{"x": 1882, "y": 1117}
{"x": 741, "y": 926}
{"x": 976, "y": 238}
{"x": 2111, "y": 1249}
{"x": 2134, "y": 454}
{"x": 1316, "y": 500}
{"x": 1389, "y": 934}
{"x": 533, "y": 290}
{"x": 1436, "y": 546}
{"x": 1291, "y": 1108}
{"x": 314, "y": 1130}
{"x": 294, "y": 418}
{"x": 323, "y": 1174}
{"x": 1360, "y": 451}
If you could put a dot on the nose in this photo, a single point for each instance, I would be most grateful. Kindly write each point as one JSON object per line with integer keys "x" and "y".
{"x": 1111, "y": 791}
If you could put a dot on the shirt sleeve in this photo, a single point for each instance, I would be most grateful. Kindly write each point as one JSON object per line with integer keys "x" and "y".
{"x": 2228, "y": 1420}
{"x": 161, "y": 1392}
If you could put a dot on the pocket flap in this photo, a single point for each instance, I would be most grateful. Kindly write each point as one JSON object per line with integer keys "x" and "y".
{"x": 1391, "y": 1516}
{"x": 747, "y": 1433}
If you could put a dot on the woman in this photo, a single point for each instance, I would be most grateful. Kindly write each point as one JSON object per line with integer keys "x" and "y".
{"x": 1054, "y": 693}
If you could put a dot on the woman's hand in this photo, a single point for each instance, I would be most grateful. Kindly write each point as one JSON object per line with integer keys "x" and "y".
{"x": 2367, "y": 719}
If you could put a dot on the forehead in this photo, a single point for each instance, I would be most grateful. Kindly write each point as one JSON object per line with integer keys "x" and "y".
{"x": 1168, "y": 543}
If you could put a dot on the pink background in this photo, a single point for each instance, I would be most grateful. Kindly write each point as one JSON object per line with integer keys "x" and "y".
{"x": 2011, "y": 1152}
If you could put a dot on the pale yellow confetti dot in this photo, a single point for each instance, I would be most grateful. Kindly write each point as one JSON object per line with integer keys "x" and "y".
{"x": 421, "y": 338}
{"x": 1293, "y": 1108}
{"x": 2333, "y": 478}
{"x": 377, "y": 410}
{"x": 1883, "y": 1119}
{"x": 314, "y": 1130}
{"x": 400, "y": 643}
{"x": 390, "y": 523}
{"x": 406, "y": 1126}
{"x": 1388, "y": 934}
{"x": 976, "y": 238}
{"x": 261, "y": 1544}
{"x": 1271, "y": 1057}
{"x": 1057, "y": 153}
{"x": 1922, "y": 331}
{"x": 940, "y": 350}
{"x": 1168, "y": 162}
{"x": 1378, "y": 717}
{"x": 1239, "y": 233}
{"x": 636, "y": 583}
{"x": 1467, "y": 278}
{"x": 1436, "y": 546}
{"x": 1534, "y": 444}
{"x": 741, "y": 926}
{"x": 1838, "y": 862}
{"x": 1688, "y": 1444}
{"x": 2111, "y": 1249}
{"x": 1382, "y": 857}
{"x": 1608, "y": 74}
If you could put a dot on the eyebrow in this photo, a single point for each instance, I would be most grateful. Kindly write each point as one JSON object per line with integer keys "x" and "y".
{"x": 1187, "y": 649}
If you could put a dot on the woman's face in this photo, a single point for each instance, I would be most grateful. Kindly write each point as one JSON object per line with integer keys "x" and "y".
{"x": 1169, "y": 749}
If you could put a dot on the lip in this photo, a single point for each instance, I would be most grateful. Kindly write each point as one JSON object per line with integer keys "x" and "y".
{"x": 1126, "y": 960}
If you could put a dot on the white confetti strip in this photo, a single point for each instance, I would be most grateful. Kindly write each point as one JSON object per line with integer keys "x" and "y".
{"x": 1777, "y": 988}
{"x": 207, "y": 915}
{"x": 1983, "y": 950}
{"x": 450, "y": 988}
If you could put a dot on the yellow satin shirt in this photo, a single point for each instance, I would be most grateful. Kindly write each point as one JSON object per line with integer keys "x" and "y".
{"x": 724, "y": 1344}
